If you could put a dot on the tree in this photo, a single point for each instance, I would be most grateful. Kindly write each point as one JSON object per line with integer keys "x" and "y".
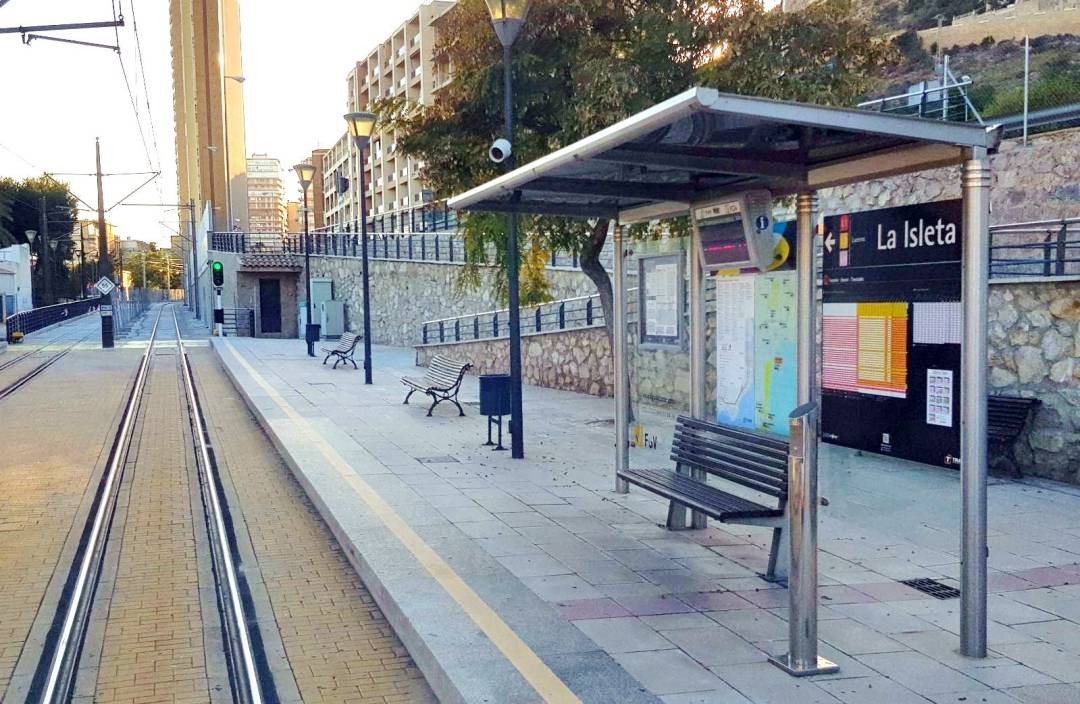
{"x": 20, "y": 210}
{"x": 582, "y": 65}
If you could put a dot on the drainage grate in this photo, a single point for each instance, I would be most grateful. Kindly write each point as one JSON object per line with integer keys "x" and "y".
{"x": 441, "y": 459}
{"x": 933, "y": 587}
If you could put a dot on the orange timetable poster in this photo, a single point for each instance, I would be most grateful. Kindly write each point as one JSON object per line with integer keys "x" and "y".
{"x": 865, "y": 348}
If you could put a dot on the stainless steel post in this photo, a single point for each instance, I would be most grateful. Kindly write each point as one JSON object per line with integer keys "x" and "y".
{"x": 976, "y": 267}
{"x": 697, "y": 349}
{"x": 622, "y": 381}
{"x": 802, "y": 658}
{"x": 806, "y": 352}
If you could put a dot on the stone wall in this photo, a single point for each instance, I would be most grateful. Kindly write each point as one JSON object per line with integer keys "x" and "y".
{"x": 1039, "y": 181}
{"x": 1034, "y": 336}
{"x": 573, "y": 360}
{"x": 404, "y": 294}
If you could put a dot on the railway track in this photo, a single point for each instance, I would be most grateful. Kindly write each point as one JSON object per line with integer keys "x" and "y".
{"x": 25, "y": 378}
{"x": 57, "y": 672}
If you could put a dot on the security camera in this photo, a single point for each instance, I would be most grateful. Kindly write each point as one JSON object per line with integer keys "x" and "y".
{"x": 499, "y": 151}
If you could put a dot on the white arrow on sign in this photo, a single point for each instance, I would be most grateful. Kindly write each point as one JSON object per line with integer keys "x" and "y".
{"x": 105, "y": 285}
{"x": 829, "y": 242}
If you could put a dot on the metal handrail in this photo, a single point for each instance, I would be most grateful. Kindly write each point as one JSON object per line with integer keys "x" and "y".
{"x": 28, "y": 321}
{"x": 1057, "y": 240}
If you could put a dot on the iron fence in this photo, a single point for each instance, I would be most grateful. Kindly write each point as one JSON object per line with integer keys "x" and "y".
{"x": 1038, "y": 248}
{"x": 444, "y": 247}
{"x": 239, "y": 322}
{"x": 567, "y": 314}
{"x": 28, "y": 321}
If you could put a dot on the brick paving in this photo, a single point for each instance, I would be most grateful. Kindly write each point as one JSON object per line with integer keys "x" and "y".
{"x": 153, "y": 646}
{"x": 53, "y": 433}
{"x": 338, "y": 643}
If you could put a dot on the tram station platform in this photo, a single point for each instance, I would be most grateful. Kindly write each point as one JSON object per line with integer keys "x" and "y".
{"x": 532, "y": 580}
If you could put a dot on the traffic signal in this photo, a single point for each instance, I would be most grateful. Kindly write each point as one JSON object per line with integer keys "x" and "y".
{"x": 218, "y": 273}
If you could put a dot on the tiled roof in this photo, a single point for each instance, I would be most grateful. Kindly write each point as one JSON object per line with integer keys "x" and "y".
{"x": 290, "y": 262}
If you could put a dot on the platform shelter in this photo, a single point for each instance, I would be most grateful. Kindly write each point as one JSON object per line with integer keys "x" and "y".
{"x": 703, "y": 146}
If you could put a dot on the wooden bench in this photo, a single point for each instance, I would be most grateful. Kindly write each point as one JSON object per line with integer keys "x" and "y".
{"x": 753, "y": 462}
{"x": 1006, "y": 418}
{"x": 344, "y": 350}
{"x": 442, "y": 382}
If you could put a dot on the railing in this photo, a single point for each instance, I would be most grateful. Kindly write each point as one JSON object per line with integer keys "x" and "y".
{"x": 1039, "y": 248}
{"x": 129, "y": 305}
{"x": 567, "y": 314}
{"x": 943, "y": 102}
{"x": 28, "y": 321}
{"x": 443, "y": 247}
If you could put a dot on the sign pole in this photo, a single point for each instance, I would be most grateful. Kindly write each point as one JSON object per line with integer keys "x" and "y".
{"x": 104, "y": 264}
{"x": 622, "y": 383}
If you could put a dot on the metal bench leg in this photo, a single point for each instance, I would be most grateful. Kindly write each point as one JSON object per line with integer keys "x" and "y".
{"x": 699, "y": 520}
{"x": 436, "y": 400}
{"x": 453, "y": 400}
{"x": 779, "y": 556}
{"x": 677, "y": 513}
{"x": 411, "y": 392}
{"x": 326, "y": 358}
{"x": 336, "y": 362}
{"x": 350, "y": 358}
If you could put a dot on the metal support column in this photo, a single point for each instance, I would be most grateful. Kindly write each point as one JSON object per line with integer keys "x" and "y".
{"x": 976, "y": 267}
{"x": 622, "y": 380}
{"x": 802, "y": 658}
{"x": 697, "y": 352}
{"x": 806, "y": 355}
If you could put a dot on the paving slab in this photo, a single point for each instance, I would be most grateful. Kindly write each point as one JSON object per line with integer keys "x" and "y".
{"x": 533, "y": 580}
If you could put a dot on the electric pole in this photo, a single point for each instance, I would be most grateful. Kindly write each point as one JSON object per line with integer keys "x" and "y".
{"x": 103, "y": 256}
{"x": 47, "y": 297}
{"x": 82, "y": 259}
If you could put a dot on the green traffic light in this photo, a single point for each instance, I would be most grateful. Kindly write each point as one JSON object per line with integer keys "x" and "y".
{"x": 218, "y": 273}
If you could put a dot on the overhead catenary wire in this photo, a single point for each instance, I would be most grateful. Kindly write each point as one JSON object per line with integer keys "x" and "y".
{"x": 131, "y": 94}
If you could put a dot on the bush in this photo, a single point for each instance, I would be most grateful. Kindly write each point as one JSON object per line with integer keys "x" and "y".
{"x": 1047, "y": 92}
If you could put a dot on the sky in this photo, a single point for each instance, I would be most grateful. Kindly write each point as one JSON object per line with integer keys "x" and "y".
{"x": 56, "y": 98}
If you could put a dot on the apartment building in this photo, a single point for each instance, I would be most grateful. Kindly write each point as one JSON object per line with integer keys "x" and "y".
{"x": 403, "y": 65}
{"x": 266, "y": 194}
{"x": 208, "y": 108}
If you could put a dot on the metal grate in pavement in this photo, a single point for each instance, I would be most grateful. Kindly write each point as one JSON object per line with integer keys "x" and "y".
{"x": 441, "y": 459}
{"x": 933, "y": 587}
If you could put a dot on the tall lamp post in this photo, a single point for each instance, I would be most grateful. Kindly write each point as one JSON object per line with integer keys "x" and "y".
{"x": 361, "y": 126}
{"x": 306, "y": 172}
{"x": 508, "y": 16}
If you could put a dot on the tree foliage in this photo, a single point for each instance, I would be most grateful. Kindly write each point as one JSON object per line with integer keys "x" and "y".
{"x": 582, "y": 65}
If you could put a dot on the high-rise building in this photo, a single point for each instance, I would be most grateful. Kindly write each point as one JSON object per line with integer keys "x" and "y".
{"x": 85, "y": 238}
{"x": 266, "y": 194}
{"x": 292, "y": 217}
{"x": 316, "y": 219}
{"x": 208, "y": 108}
{"x": 403, "y": 65}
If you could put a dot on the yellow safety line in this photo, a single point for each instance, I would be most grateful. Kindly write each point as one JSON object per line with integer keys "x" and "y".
{"x": 532, "y": 668}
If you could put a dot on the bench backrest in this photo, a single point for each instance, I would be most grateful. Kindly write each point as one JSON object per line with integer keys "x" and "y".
{"x": 1009, "y": 413}
{"x": 445, "y": 373}
{"x": 347, "y": 342}
{"x": 753, "y": 460}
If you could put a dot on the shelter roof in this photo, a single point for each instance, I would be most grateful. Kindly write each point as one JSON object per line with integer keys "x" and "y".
{"x": 703, "y": 144}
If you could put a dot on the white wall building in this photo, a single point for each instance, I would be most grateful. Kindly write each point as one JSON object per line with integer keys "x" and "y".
{"x": 15, "y": 284}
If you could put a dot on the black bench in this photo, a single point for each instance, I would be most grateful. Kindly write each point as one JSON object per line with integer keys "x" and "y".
{"x": 344, "y": 350}
{"x": 755, "y": 462}
{"x": 1006, "y": 418}
{"x": 442, "y": 382}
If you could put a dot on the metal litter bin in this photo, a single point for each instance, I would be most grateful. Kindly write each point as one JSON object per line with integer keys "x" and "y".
{"x": 495, "y": 402}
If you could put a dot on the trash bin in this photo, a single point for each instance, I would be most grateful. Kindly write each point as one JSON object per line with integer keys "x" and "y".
{"x": 312, "y": 333}
{"x": 495, "y": 394}
{"x": 495, "y": 402}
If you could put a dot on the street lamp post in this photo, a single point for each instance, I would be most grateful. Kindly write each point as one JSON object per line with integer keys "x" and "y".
{"x": 306, "y": 172}
{"x": 361, "y": 126}
{"x": 507, "y": 17}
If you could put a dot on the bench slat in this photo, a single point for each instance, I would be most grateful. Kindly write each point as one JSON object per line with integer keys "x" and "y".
{"x": 708, "y": 499}
{"x": 766, "y": 459}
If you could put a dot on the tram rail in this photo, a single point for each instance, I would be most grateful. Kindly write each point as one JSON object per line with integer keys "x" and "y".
{"x": 30, "y": 374}
{"x": 55, "y": 675}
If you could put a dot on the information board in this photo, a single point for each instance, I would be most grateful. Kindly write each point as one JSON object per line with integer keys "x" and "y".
{"x": 755, "y": 350}
{"x": 891, "y": 331}
{"x": 661, "y": 299}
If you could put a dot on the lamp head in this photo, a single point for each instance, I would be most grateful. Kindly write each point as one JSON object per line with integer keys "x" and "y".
{"x": 361, "y": 126}
{"x": 30, "y": 235}
{"x": 507, "y": 16}
{"x": 306, "y": 173}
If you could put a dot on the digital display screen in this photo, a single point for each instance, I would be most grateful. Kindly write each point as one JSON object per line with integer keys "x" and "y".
{"x": 724, "y": 243}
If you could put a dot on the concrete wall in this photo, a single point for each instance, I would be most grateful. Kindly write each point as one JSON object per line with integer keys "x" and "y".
{"x": 404, "y": 294}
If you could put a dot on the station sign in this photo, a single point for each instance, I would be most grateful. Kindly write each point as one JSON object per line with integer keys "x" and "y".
{"x": 892, "y": 326}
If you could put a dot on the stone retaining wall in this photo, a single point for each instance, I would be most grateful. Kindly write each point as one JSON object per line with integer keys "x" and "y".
{"x": 404, "y": 294}
{"x": 1034, "y": 336}
{"x": 572, "y": 360}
